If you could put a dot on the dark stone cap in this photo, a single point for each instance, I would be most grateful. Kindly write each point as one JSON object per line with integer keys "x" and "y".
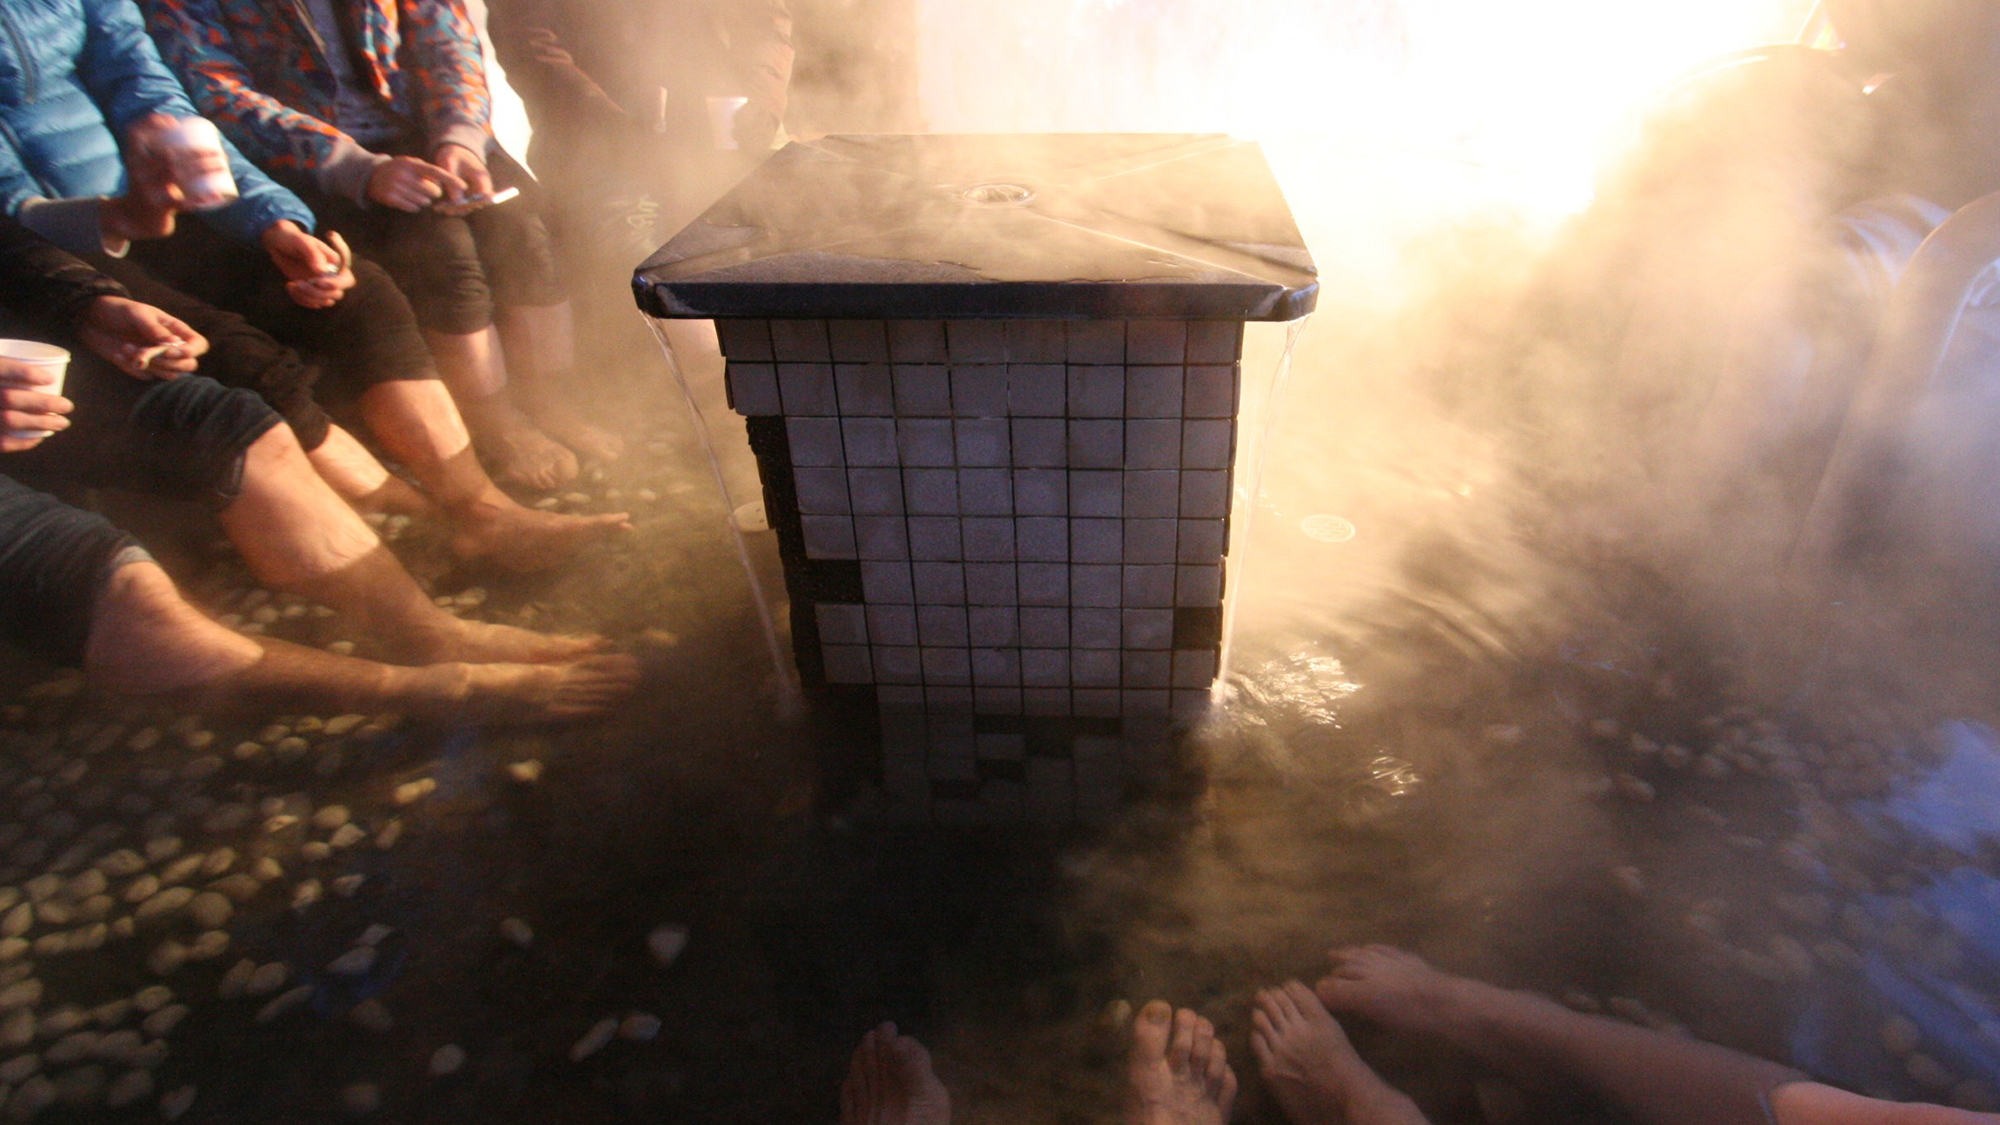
{"x": 1067, "y": 226}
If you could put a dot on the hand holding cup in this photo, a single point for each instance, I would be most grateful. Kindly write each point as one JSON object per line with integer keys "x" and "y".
{"x": 31, "y": 402}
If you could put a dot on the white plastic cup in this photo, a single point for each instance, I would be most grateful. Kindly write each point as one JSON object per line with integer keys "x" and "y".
{"x": 722, "y": 113}
{"x": 49, "y": 363}
{"x": 193, "y": 148}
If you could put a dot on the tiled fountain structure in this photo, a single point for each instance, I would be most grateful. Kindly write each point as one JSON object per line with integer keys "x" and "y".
{"x": 993, "y": 385}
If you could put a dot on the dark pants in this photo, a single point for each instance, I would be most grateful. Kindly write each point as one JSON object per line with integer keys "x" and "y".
{"x": 233, "y": 295}
{"x": 185, "y": 439}
{"x": 457, "y": 271}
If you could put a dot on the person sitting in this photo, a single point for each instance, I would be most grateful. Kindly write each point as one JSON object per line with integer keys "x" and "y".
{"x": 99, "y": 79}
{"x": 1658, "y": 1079}
{"x": 377, "y": 114}
{"x": 78, "y": 591}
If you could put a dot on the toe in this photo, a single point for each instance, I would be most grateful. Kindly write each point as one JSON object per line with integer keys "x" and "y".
{"x": 1302, "y": 998}
{"x": 1227, "y": 1102}
{"x": 1181, "y": 1047}
{"x": 1262, "y": 1024}
{"x": 1151, "y": 1030}
{"x": 1262, "y": 1048}
{"x": 1202, "y": 1046}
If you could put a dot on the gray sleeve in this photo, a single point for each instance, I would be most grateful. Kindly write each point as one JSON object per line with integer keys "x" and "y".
{"x": 346, "y": 173}
{"x": 72, "y": 224}
{"x": 466, "y": 136}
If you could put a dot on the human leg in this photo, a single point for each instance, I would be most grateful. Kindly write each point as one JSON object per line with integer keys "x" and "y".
{"x": 540, "y": 341}
{"x": 1809, "y": 1103}
{"x": 1658, "y": 1078}
{"x": 1310, "y": 1067}
{"x": 1177, "y": 1072}
{"x": 892, "y": 1083}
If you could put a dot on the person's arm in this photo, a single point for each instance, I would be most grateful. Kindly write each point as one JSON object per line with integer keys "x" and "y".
{"x": 122, "y": 69}
{"x": 45, "y": 285}
{"x": 453, "y": 99}
{"x": 528, "y": 40}
{"x": 760, "y": 43}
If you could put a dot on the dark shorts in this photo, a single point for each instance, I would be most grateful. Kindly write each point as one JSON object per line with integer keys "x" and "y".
{"x": 184, "y": 440}
{"x": 296, "y": 358}
{"x": 457, "y": 271}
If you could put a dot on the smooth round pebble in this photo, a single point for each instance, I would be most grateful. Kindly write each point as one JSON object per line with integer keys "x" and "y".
{"x": 447, "y": 1060}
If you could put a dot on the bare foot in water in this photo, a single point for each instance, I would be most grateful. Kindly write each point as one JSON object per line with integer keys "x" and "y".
{"x": 1179, "y": 1074}
{"x": 892, "y": 1083}
{"x": 1393, "y": 988}
{"x": 515, "y": 450}
{"x": 1310, "y": 1067}
{"x": 453, "y": 641}
{"x": 565, "y": 424}
{"x": 499, "y": 531}
{"x": 538, "y": 693}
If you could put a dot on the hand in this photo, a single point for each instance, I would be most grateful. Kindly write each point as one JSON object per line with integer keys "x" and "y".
{"x": 409, "y": 184}
{"x": 317, "y": 275}
{"x": 756, "y": 127}
{"x": 140, "y": 340}
{"x": 26, "y": 410}
{"x": 469, "y": 168}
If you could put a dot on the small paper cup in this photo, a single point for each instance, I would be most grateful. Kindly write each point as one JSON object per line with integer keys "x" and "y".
{"x": 201, "y": 167}
{"x": 48, "y": 361}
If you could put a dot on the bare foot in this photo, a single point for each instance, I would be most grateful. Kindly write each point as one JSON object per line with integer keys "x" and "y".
{"x": 1179, "y": 1074}
{"x": 453, "y": 641}
{"x": 499, "y": 531}
{"x": 1393, "y": 988}
{"x": 892, "y": 1083}
{"x": 515, "y": 450}
{"x": 564, "y": 423}
{"x": 538, "y": 693}
{"x": 1311, "y": 1068}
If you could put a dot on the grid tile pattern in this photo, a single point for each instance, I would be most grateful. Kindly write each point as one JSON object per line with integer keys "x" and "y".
{"x": 1033, "y": 514}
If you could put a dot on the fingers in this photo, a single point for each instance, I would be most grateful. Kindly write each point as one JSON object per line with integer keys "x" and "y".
{"x": 440, "y": 182}
{"x": 22, "y": 423}
{"x": 20, "y": 400}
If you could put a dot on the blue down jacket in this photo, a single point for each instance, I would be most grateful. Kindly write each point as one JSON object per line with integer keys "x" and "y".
{"x": 73, "y": 75}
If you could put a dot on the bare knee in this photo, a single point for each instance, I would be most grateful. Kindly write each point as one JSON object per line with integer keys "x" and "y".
{"x": 145, "y": 639}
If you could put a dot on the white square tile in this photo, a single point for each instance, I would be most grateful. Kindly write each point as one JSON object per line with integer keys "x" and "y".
{"x": 870, "y": 442}
{"x": 1203, "y": 541}
{"x": 922, "y": 390}
{"x": 1192, "y": 704}
{"x": 848, "y": 664}
{"x": 979, "y": 390}
{"x": 1095, "y": 668}
{"x": 989, "y": 539}
{"x": 935, "y": 539}
{"x": 1096, "y": 341}
{"x": 1152, "y": 494}
{"x": 841, "y": 624}
{"x": 977, "y": 341}
{"x": 1097, "y": 392}
{"x": 1198, "y": 587}
{"x": 800, "y": 341}
{"x": 946, "y": 700}
{"x": 1042, "y": 539}
{"x": 864, "y": 389}
{"x": 983, "y": 442}
{"x": 942, "y": 626}
{"x": 1044, "y": 627}
{"x": 745, "y": 339}
{"x": 1045, "y": 668}
{"x": 1150, "y": 541}
{"x": 897, "y": 665}
{"x": 753, "y": 389}
{"x": 1097, "y": 704}
{"x": 875, "y": 492}
{"x": 1156, "y": 341}
{"x": 947, "y": 667}
{"x": 892, "y": 625}
{"x": 1214, "y": 341}
{"x": 1148, "y": 669}
{"x": 829, "y": 537}
{"x": 930, "y": 492}
{"x": 1211, "y": 392}
{"x": 881, "y": 537}
{"x": 917, "y": 341}
{"x": 814, "y": 441}
{"x": 1207, "y": 444}
{"x": 1036, "y": 341}
{"x": 1096, "y": 587}
{"x": 822, "y": 492}
{"x": 1100, "y": 444}
{"x": 899, "y": 696}
{"x": 1046, "y": 701}
{"x": 1097, "y": 495}
{"x": 1149, "y": 587}
{"x": 1097, "y": 542}
{"x": 1040, "y": 443}
{"x": 1000, "y": 747}
{"x": 1153, "y": 443}
{"x": 1137, "y": 703}
{"x": 1194, "y": 669}
{"x": 994, "y": 626}
{"x": 1204, "y": 495}
{"x": 1149, "y": 630}
{"x": 926, "y": 442}
{"x": 886, "y": 583}
{"x": 1043, "y": 584}
{"x": 996, "y": 667}
{"x": 986, "y": 492}
{"x": 1154, "y": 392}
{"x": 991, "y": 584}
{"x": 1096, "y": 628}
{"x": 858, "y": 341}
{"x": 1037, "y": 390}
{"x": 807, "y": 390}
{"x": 1040, "y": 492}
{"x": 998, "y": 701}
{"x": 938, "y": 583}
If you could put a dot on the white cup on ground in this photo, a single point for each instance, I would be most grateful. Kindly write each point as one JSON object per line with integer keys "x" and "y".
{"x": 193, "y": 148}
{"x": 49, "y": 364}
{"x": 722, "y": 113}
